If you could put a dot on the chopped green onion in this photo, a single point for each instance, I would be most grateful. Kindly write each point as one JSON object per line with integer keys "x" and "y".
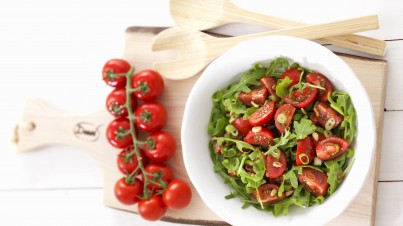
{"x": 281, "y": 118}
{"x": 301, "y": 157}
{"x": 328, "y": 133}
{"x": 330, "y": 124}
{"x": 231, "y": 130}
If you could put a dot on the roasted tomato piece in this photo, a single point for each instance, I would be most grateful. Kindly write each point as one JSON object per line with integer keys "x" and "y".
{"x": 331, "y": 148}
{"x": 270, "y": 84}
{"x": 257, "y": 96}
{"x": 268, "y": 194}
{"x": 283, "y": 117}
{"x": 314, "y": 181}
{"x": 327, "y": 117}
{"x": 243, "y": 126}
{"x": 319, "y": 79}
{"x": 263, "y": 115}
{"x": 275, "y": 167}
{"x": 301, "y": 99}
{"x": 305, "y": 151}
{"x": 263, "y": 137}
{"x": 293, "y": 74}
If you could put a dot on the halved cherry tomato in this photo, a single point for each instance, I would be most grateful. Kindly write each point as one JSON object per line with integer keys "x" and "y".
{"x": 127, "y": 160}
{"x": 305, "y": 151}
{"x": 128, "y": 193}
{"x": 114, "y": 72}
{"x": 116, "y": 100}
{"x": 270, "y": 84}
{"x": 243, "y": 126}
{"x": 293, "y": 74}
{"x": 325, "y": 114}
{"x": 263, "y": 115}
{"x": 301, "y": 99}
{"x": 160, "y": 146}
{"x": 177, "y": 195}
{"x": 150, "y": 117}
{"x": 283, "y": 117}
{"x": 159, "y": 169}
{"x": 275, "y": 167}
{"x": 257, "y": 96}
{"x": 316, "y": 78}
{"x": 117, "y": 133}
{"x": 265, "y": 194}
{"x": 331, "y": 148}
{"x": 153, "y": 208}
{"x": 150, "y": 84}
{"x": 264, "y": 137}
{"x": 314, "y": 181}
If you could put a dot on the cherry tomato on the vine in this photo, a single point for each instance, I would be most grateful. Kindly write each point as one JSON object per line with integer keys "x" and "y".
{"x": 128, "y": 193}
{"x": 116, "y": 102}
{"x": 150, "y": 84}
{"x": 160, "y": 146}
{"x": 150, "y": 117}
{"x": 158, "y": 171}
{"x": 153, "y": 208}
{"x": 118, "y": 133}
{"x": 177, "y": 195}
{"x": 114, "y": 72}
{"x": 127, "y": 160}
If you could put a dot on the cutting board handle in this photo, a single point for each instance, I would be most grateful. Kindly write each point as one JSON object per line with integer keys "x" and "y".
{"x": 42, "y": 125}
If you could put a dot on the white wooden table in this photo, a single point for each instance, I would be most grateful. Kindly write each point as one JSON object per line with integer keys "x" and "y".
{"x": 54, "y": 50}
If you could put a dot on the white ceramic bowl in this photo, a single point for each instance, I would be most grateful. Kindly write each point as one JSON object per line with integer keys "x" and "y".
{"x": 225, "y": 70}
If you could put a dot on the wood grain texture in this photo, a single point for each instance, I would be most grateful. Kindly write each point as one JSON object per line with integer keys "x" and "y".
{"x": 137, "y": 51}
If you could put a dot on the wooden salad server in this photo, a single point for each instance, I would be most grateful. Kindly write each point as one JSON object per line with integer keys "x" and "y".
{"x": 196, "y": 49}
{"x": 203, "y": 15}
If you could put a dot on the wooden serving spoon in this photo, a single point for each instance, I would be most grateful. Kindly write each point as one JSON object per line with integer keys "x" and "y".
{"x": 196, "y": 49}
{"x": 203, "y": 15}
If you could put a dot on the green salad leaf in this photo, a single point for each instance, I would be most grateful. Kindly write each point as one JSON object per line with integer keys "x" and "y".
{"x": 282, "y": 87}
{"x": 304, "y": 128}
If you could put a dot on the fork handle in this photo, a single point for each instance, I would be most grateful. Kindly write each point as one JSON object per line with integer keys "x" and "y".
{"x": 351, "y": 41}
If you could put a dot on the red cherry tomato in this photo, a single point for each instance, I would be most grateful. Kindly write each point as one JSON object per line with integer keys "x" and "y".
{"x": 150, "y": 84}
{"x": 115, "y": 133}
{"x": 177, "y": 195}
{"x": 275, "y": 167}
{"x": 314, "y": 181}
{"x": 293, "y": 74}
{"x": 270, "y": 84}
{"x": 127, "y": 160}
{"x": 152, "y": 209}
{"x": 264, "y": 137}
{"x": 158, "y": 168}
{"x": 243, "y": 126}
{"x": 257, "y": 96}
{"x": 150, "y": 117}
{"x": 283, "y": 117}
{"x": 325, "y": 114}
{"x": 114, "y": 72}
{"x": 316, "y": 78}
{"x": 265, "y": 194}
{"x": 331, "y": 148}
{"x": 116, "y": 100}
{"x": 305, "y": 151}
{"x": 160, "y": 147}
{"x": 301, "y": 99}
{"x": 128, "y": 193}
{"x": 263, "y": 115}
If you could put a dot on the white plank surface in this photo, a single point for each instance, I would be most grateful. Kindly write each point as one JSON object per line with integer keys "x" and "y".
{"x": 54, "y": 50}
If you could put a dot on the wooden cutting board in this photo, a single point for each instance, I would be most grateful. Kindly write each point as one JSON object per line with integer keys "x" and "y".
{"x": 42, "y": 125}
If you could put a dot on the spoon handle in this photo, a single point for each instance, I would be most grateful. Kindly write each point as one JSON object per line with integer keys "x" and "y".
{"x": 351, "y": 41}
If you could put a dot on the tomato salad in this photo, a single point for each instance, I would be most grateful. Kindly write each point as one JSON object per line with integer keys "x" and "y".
{"x": 282, "y": 136}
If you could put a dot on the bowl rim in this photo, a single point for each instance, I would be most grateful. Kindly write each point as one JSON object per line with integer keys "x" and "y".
{"x": 319, "y": 54}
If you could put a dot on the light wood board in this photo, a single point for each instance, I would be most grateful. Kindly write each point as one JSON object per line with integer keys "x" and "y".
{"x": 88, "y": 132}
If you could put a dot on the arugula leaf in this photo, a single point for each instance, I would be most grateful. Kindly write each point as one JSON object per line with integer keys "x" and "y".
{"x": 218, "y": 120}
{"x": 292, "y": 177}
{"x": 234, "y": 105}
{"x": 231, "y": 164}
{"x": 248, "y": 78}
{"x": 304, "y": 128}
{"x": 335, "y": 173}
{"x": 341, "y": 102}
{"x": 252, "y": 180}
{"x": 277, "y": 67}
{"x": 300, "y": 198}
{"x": 286, "y": 140}
{"x": 239, "y": 144}
{"x": 282, "y": 87}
